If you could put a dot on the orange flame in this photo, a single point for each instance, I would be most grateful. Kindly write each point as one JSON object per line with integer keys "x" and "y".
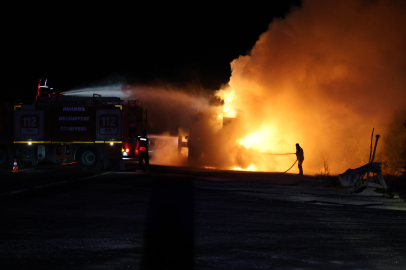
{"x": 311, "y": 79}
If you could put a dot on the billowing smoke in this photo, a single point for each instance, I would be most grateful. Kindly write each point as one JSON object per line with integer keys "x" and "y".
{"x": 323, "y": 77}
{"x": 170, "y": 112}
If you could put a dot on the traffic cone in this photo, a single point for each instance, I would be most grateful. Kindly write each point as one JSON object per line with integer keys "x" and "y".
{"x": 15, "y": 167}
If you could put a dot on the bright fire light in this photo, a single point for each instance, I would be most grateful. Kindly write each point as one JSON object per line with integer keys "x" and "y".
{"x": 260, "y": 140}
{"x": 228, "y": 109}
{"x": 250, "y": 168}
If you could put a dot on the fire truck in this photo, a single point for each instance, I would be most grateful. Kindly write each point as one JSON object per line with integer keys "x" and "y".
{"x": 94, "y": 131}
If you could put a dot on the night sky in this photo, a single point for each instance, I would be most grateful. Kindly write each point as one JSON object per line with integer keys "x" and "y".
{"x": 77, "y": 45}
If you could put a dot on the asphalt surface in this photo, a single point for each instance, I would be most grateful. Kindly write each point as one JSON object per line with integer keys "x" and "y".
{"x": 60, "y": 217}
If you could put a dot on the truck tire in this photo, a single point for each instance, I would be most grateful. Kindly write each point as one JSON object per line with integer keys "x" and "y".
{"x": 89, "y": 158}
{"x": 3, "y": 158}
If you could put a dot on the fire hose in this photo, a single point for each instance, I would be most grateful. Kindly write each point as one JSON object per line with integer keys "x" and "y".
{"x": 280, "y": 155}
{"x": 289, "y": 168}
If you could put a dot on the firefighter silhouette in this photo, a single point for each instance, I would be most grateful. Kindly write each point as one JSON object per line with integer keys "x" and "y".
{"x": 300, "y": 158}
{"x": 143, "y": 152}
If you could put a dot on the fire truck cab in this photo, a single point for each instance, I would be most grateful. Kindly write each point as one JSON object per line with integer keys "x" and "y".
{"x": 94, "y": 131}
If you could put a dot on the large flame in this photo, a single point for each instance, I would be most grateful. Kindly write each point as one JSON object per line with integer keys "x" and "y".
{"x": 323, "y": 77}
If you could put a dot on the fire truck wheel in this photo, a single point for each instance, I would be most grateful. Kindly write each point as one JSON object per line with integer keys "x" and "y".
{"x": 89, "y": 158}
{"x": 3, "y": 158}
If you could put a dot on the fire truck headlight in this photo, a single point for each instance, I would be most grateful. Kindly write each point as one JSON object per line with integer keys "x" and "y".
{"x": 125, "y": 154}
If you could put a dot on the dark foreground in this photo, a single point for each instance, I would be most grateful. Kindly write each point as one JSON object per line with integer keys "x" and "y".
{"x": 59, "y": 217}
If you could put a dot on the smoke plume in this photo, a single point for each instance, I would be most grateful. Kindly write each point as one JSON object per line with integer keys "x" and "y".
{"x": 323, "y": 76}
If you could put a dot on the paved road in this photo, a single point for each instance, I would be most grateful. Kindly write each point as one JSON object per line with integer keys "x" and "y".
{"x": 59, "y": 217}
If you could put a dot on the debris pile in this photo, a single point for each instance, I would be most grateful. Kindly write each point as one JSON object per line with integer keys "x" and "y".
{"x": 355, "y": 177}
